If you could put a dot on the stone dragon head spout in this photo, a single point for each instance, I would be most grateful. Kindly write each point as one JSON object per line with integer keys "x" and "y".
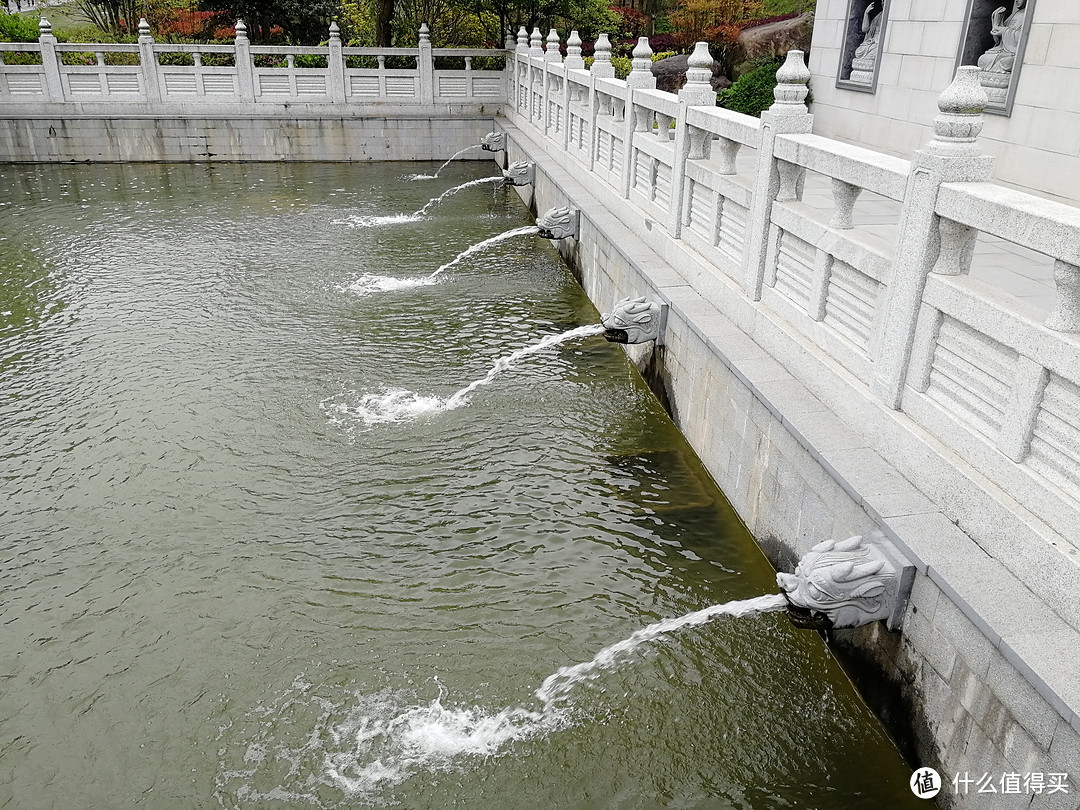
{"x": 519, "y": 173}
{"x": 493, "y": 142}
{"x": 845, "y": 583}
{"x": 558, "y": 223}
{"x": 633, "y": 320}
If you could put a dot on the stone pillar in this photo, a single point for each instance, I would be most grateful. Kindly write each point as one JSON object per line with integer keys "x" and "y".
{"x": 952, "y": 156}
{"x": 640, "y": 78}
{"x": 787, "y": 116}
{"x": 335, "y": 66}
{"x": 521, "y": 70}
{"x": 149, "y": 64}
{"x": 601, "y": 69}
{"x": 425, "y": 67}
{"x": 697, "y": 92}
{"x": 245, "y": 70}
{"x": 551, "y": 96}
{"x": 50, "y": 62}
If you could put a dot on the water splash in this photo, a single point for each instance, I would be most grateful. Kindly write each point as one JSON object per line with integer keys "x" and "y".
{"x": 370, "y": 283}
{"x": 524, "y": 231}
{"x": 453, "y": 157}
{"x": 376, "y": 221}
{"x": 449, "y": 192}
{"x": 385, "y": 738}
{"x": 400, "y": 405}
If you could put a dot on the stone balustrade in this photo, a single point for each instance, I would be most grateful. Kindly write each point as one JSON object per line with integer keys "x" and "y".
{"x": 984, "y": 373}
{"x": 203, "y": 75}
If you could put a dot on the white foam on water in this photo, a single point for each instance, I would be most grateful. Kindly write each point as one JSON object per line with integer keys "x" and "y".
{"x": 370, "y": 283}
{"x": 399, "y": 405}
{"x": 382, "y": 742}
{"x": 375, "y": 221}
{"x": 392, "y": 405}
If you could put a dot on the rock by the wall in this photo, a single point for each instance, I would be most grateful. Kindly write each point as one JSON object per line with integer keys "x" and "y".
{"x": 670, "y": 74}
{"x": 771, "y": 40}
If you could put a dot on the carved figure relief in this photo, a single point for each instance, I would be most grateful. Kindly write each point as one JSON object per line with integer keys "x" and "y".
{"x": 865, "y": 59}
{"x": 863, "y": 44}
{"x": 998, "y": 61}
{"x": 632, "y": 320}
{"x": 993, "y": 40}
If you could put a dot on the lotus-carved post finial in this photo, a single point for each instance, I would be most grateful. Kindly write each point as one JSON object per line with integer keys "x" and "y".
{"x": 601, "y": 65}
{"x": 559, "y": 223}
{"x": 536, "y": 43}
{"x": 791, "y": 89}
{"x": 425, "y": 33}
{"x": 635, "y": 320}
{"x": 521, "y": 173}
{"x": 44, "y": 28}
{"x": 144, "y": 31}
{"x": 335, "y": 32}
{"x": 641, "y": 66}
{"x": 508, "y": 41}
{"x": 698, "y": 92}
{"x": 573, "y": 60}
{"x": 551, "y": 51}
{"x": 522, "y": 40}
{"x": 241, "y": 33}
{"x": 493, "y": 141}
{"x": 961, "y": 104}
{"x": 849, "y": 583}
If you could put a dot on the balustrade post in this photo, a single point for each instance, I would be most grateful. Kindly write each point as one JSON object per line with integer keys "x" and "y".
{"x": 335, "y": 66}
{"x": 510, "y": 70}
{"x": 697, "y": 92}
{"x": 148, "y": 63}
{"x": 953, "y": 155}
{"x": 245, "y": 70}
{"x": 601, "y": 69}
{"x": 787, "y": 116}
{"x": 50, "y": 62}
{"x": 521, "y": 70}
{"x": 425, "y": 65}
{"x": 573, "y": 61}
{"x": 551, "y": 56}
{"x": 640, "y": 78}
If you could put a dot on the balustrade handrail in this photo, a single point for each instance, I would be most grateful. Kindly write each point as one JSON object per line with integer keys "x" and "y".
{"x": 1039, "y": 224}
{"x": 882, "y": 174}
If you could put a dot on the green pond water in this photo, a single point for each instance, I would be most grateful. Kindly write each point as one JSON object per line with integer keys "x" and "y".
{"x": 222, "y": 587}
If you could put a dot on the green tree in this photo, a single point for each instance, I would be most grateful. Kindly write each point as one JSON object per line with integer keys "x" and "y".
{"x": 300, "y": 20}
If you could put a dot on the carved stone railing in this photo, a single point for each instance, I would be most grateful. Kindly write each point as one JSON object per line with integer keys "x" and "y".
{"x": 162, "y": 73}
{"x": 893, "y": 305}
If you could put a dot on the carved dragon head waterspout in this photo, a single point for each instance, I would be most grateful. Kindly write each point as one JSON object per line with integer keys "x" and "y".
{"x": 848, "y": 583}
{"x": 520, "y": 173}
{"x": 558, "y": 223}
{"x": 633, "y": 320}
{"x": 493, "y": 142}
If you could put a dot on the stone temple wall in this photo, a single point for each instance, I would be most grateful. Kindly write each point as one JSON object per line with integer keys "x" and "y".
{"x": 1036, "y": 145}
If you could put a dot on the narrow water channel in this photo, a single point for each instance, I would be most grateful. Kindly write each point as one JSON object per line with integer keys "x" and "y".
{"x": 221, "y": 587}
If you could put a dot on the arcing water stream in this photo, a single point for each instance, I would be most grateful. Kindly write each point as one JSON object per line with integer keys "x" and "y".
{"x": 398, "y": 405}
{"x": 452, "y": 158}
{"x": 374, "y": 282}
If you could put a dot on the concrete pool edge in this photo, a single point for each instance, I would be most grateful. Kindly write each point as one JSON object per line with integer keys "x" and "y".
{"x": 983, "y": 663}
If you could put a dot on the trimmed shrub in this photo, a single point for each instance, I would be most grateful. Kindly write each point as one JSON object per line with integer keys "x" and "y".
{"x": 752, "y": 93}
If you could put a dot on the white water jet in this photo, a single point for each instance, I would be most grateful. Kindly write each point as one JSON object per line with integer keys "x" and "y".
{"x": 399, "y": 405}
{"x": 436, "y": 200}
{"x": 558, "y": 684}
{"x": 453, "y": 157}
{"x": 372, "y": 283}
{"x": 385, "y": 743}
{"x": 524, "y": 231}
